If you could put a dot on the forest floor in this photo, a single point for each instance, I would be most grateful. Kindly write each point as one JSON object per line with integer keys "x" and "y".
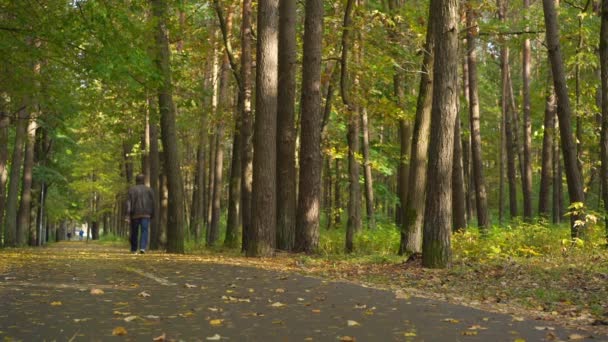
{"x": 78, "y": 291}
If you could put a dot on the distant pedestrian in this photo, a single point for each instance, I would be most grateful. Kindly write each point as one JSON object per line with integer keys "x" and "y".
{"x": 140, "y": 207}
{"x": 69, "y": 236}
{"x": 81, "y": 234}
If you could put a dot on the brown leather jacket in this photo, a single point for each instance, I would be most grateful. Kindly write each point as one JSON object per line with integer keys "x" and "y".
{"x": 140, "y": 202}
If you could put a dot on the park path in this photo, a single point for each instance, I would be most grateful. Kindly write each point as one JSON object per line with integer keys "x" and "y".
{"x": 76, "y": 291}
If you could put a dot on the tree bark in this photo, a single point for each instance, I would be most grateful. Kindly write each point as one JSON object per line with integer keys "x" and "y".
{"x": 353, "y": 224}
{"x": 557, "y": 174}
{"x": 24, "y": 215}
{"x": 10, "y": 219}
{"x": 509, "y": 123}
{"x": 604, "y": 97}
{"x": 367, "y": 169}
{"x": 459, "y": 210}
{"x": 246, "y": 125}
{"x": 573, "y": 175}
{"x": 4, "y": 123}
{"x": 413, "y": 214}
{"x": 309, "y": 196}
{"x": 224, "y": 104}
{"x": 544, "y": 194}
{"x": 466, "y": 146}
{"x": 436, "y": 250}
{"x": 234, "y": 195}
{"x": 263, "y": 204}
{"x": 155, "y": 227}
{"x": 175, "y": 227}
{"x": 286, "y": 129}
{"x": 337, "y": 214}
{"x": 481, "y": 197}
{"x": 526, "y": 176}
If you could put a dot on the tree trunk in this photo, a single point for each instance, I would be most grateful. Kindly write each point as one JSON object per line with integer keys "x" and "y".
{"x": 573, "y": 175}
{"x": 155, "y": 226}
{"x": 4, "y": 123}
{"x": 526, "y": 176}
{"x": 354, "y": 206}
{"x": 286, "y": 129}
{"x": 557, "y": 174}
{"x": 327, "y": 195}
{"x": 466, "y": 146}
{"x": 263, "y": 204}
{"x": 224, "y": 102}
{"x": 436, "y": 250}
{"x": 210, "y": 183}
{"x": 175, "y": 227}
{"x": 413, "y": 214}
{"x": 246, "y": 125}
{"x": 24, "y": 215}
{"x": 337, "y": 214}
{"x": 604, "y": 92}
{"x": 309, "y": 196}
{"x": 481, "y": 197}
{"x": 509, "y": 123}
{"x": 544, "y": 194}
{"x": 234, "y": 191}
{"x": 367, "y": 169}
{"x": 12, "y": 199}
{"x": 459, "y": 209}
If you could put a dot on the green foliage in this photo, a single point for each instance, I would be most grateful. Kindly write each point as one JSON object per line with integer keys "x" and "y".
{"x": 524, "y": 241}
{"x": 382, "y": 241}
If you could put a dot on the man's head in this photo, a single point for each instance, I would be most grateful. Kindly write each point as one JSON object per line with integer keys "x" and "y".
{"x": 139, "y": 179}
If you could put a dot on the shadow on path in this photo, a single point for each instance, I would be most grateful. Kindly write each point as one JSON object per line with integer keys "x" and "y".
{"x": 73, "y": 291}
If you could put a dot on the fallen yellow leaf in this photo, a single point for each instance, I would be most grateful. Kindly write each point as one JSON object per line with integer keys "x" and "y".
{"x": 56, "y": 303}
{"x": 469, "y": 333}
{"x": 347, "y": 339}
{"x": 576, "y": 337}
{"x": 144, "y": 294}
{"x": 277, "y": 305}
{"x": 216, "y": 322}
{"x": 119, "y": 331}
{"x": 215, "y": 337}
{"x": 351, "y": 323}
{"x": 160, "y": 338}
{"x": 451, "y": 320}
{"x": 96, "y": 292}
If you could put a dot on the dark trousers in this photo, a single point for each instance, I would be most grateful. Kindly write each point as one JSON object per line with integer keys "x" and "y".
{"x": 144, "y": 222}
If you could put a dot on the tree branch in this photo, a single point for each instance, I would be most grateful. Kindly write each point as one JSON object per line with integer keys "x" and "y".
{"x": 227, "y": 45}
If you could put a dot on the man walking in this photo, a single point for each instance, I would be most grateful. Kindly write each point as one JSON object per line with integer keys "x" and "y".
{"x": 140, "y": 207}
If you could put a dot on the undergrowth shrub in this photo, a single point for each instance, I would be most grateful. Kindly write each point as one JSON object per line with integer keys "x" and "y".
{"x": 524, "y": 240}
{"x": 384, "y": 240}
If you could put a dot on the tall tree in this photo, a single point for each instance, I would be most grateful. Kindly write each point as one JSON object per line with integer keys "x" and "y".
{"x": 4, "y": 123}
{"x": 175, "y": 220}
{"x": 286, "y": 129}
{"x": 234, "y": 196}
{"x": 526, "y": 176}
{"x": 367, "y": 170}
{"x": 413, "y": 213}
{"x": 12, "y": 199}
{"x": 459, "y": 210}
{"x": 544, "y": 194}
{"x": 573, "y": 175}
{"x": 223, "y": 108}
{"x": 481, "y": 197}
{"x": 155, "y": 226}
{"x": 354, "y": 193}
{"x": 311, "y": 162}
{"x": 246, "y": 128}
{"x": 263, "y": 205}
{"x": 436, "y": 250}
{"x": 604, "y": 90}
{"x": 510, "y": 123}
{"x": 24, "y": 215}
